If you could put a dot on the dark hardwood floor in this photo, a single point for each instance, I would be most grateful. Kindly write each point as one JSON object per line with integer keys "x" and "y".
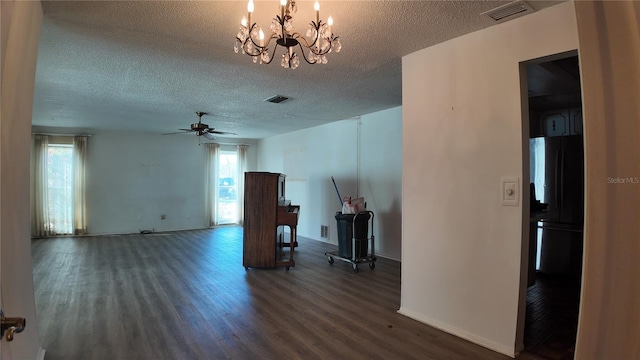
{"x": 186, "y": 295}
{"x": 552, "y": 316}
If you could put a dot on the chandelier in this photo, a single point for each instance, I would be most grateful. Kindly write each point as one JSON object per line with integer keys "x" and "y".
{"x": 319, "y": 40}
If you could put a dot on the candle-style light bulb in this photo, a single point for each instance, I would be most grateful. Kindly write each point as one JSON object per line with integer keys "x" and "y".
{"x": 283, "y": 5}
{"x": 316, "y": 7}
{"x": 250, "y": 11}
{"x": 261, "y": 37}
{"x": 330, "y": 21}
{"x": 243, "y": 21}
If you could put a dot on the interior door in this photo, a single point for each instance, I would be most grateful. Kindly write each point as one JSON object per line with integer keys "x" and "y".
{"x": 20, "y": 35}
{"x": 1, "y": 307}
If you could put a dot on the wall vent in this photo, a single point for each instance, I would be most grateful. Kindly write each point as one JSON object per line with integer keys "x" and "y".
{"x": 324, "y": 231}
{"x": 276, "y": 99}
{"x": 509, "y": 11}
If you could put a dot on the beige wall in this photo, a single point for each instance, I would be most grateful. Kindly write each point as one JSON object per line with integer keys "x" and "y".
{"x": 462, "y": 132}
{"x": 609, "y": 324}
{"x": 20, "y": 33}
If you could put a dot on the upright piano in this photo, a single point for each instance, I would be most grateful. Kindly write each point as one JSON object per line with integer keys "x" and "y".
{"x": 266, "y": 214}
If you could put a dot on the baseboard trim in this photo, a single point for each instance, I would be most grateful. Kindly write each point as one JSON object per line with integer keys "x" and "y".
{"x": 479, "y": 340}
{"x": 381, "y": 255}
{"x": 155, "y": 232}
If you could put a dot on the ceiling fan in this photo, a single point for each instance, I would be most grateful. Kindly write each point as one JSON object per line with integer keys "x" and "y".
{"x": 202, "y": 129}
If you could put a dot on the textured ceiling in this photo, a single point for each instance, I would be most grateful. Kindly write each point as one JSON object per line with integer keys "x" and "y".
{"x": 150, "y": 65}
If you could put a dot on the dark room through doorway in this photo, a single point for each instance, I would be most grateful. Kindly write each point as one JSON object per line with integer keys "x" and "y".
{"x": 556, "y": 211}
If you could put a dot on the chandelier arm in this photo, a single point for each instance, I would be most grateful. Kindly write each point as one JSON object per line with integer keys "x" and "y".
{"x": 246, "y": 42}
{"x": 263, "y": 48}
{"x": 246, "y": 49}
{"x": 272, "y": 56}
{"x": 328, "y": 48}
{"x": 256, "y": 45}
{"x": 316, "y": 50}
{"x": 258, "y": 49}
{"x": 303, "y": 41}
{"x": 305, "y": 56}
{"x": 301, "y": 38}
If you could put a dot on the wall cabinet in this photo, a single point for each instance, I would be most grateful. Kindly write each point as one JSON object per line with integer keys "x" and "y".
{"x": 561, "y": 122}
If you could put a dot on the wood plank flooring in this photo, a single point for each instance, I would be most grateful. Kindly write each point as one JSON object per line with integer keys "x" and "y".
{"x": 552, "y": 316}
{"x": 186, "y": 295}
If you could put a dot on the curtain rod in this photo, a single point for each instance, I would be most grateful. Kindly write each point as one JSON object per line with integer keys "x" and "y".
{"x": 48, "y": 134}
{"x": 90, "y": 135}
{"x": 219, "y": 143}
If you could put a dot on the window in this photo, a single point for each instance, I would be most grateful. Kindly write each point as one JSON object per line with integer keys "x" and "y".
{"x": 58, "y": 185}
{"x": 60, "y": 188}
{"x": 536, "y": 171}
{"x": 227, "y": 188}
{"x": 225, "y": 183}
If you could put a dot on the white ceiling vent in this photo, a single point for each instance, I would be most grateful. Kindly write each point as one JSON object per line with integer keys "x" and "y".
{"x": 509, "y": 11}
{"x": 277, "y": 99}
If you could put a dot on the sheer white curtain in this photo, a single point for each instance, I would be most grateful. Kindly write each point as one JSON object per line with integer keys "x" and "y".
{"x": 58, "y": 185}
{"x": 79, "y": 185}
{"x": 242, "y": 168}
{"x": 211, "y": 183}
{"x": 40, "y": 225}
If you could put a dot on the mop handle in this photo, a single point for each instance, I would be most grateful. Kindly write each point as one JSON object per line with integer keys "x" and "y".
{"x": 336, "y": 186}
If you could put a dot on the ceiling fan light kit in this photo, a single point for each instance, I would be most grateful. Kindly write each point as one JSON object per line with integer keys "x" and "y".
{"x": 251, "y": 39}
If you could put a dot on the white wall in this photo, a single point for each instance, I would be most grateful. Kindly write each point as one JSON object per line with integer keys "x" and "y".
{"x": 364, "y": 157}
{"x": 380, "y": 178}
{"x": 134, "y": 178}
{"x": 462, "y": 132}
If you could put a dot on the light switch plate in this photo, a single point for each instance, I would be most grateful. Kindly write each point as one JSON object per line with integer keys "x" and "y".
{"x": 510, "y": 191}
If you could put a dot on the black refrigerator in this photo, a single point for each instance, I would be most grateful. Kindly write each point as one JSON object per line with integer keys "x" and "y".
{"x": 557, "y": 174}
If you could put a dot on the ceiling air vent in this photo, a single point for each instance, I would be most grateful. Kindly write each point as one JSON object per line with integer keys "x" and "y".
{"x": 509, "y": 11}
{"x": 277, "y": 99}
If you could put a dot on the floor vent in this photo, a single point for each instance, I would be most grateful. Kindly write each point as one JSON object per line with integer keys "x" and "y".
{"x": 509, "y": 11}
{"x": 324, "y": 231}
{"x": 276, "y": 99}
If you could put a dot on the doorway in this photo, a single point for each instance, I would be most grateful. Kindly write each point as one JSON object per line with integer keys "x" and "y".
{"x": 555, "y": 215}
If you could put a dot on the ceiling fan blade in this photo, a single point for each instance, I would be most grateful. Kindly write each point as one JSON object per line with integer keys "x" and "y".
{"x": 221, "y": 132}
{"x": 202, "y": 129}
{"x": 183, "y": 131}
